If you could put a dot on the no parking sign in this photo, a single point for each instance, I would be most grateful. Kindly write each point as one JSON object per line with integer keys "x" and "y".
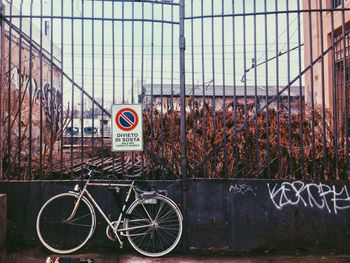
{"x": 127, "y": 127}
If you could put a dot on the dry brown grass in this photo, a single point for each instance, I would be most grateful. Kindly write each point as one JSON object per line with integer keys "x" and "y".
{"x": 245, "y": 156}
{"x": 247, "y": 153}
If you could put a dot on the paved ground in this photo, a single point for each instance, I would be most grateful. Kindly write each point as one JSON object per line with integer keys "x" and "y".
{"x": 38, "y": 256}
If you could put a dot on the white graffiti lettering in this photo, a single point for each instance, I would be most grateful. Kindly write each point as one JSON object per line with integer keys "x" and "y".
{"x": 242, "y": 189}
{"x": 321, "y": 196}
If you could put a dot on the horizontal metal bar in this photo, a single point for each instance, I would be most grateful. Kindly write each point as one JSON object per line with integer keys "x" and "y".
{"x": 93, "y": 18}
{"x": 95, "y": 183}
{"x": 160, "y": 2}
{"x": 268, "y": 13}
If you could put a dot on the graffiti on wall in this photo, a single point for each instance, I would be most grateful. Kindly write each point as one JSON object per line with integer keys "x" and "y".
{"x": 320, "y": 196}
{"x": 52, "y": 102}
{"x": 242, "y": 189}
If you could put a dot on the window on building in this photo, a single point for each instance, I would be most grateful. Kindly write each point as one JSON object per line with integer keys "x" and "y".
{"x": 336, "y": 3}
{"x": 342, "y": 74}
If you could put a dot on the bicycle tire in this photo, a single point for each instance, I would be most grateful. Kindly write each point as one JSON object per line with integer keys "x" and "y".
{"x": 65, "y": 237}
{"x": 164, "y": 234}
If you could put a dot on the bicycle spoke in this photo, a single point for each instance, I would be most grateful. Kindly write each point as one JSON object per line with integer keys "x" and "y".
{"x": 73, "y": 224}
{"x": 160, "y": 208}
{"x": 169, "y": 233}
{"x": 165, "y": 231}
{"x": 165, "y": 215}
{"x": 143, "y": 237}
{"x": 170, "y": 228}
{"x": 78, "y": 218}
{"x": 56, "y": 233}
{"x": 164, "y": 239}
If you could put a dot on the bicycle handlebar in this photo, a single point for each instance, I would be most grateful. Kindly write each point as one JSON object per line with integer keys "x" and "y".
{"x": 92, "y": 170}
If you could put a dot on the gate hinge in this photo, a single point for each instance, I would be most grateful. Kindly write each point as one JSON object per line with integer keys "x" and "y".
{"x": 182, "y": 43}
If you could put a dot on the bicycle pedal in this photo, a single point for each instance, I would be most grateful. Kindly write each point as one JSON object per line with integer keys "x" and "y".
{"x": 121, "y": 246}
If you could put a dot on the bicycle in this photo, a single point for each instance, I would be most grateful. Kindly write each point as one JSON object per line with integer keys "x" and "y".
{"x": 152, "y": 223}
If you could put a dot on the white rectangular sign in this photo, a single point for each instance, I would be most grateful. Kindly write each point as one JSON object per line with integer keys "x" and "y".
{"x": 126, "y": 128}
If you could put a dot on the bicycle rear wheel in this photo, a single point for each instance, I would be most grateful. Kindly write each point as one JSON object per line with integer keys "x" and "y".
{"x": 58, "y": 235}
{"x": 153, "y": 226}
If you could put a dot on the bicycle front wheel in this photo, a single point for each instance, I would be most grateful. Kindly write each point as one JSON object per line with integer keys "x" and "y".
{"x": 153, "y": 226}
{"x": 62, "y": 236}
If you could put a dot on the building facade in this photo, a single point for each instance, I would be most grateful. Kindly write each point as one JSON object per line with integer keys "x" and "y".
{"x": 167, "y": 97}
{"x": 31, "y": 98}
{"x": 326, "y": 40}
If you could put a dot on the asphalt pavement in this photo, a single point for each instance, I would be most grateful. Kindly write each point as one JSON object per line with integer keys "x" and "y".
{"x": 38, "y": 256}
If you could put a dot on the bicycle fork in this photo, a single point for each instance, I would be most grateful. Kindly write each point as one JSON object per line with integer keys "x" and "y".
{"x": 76, "y": 206}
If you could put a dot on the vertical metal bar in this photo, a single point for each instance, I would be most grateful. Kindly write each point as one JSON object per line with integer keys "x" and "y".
{"x": 103, "y": 81}
{"x": 312, "y": 93}
{"x": 1, "y": 86}
{"x": 346, "y": 96}
{"x": 267, "y": 96}
{"x": 301, "y": 97}
{"x": 278, "y": 90}
{"x": 20, "y": 97}
{"x": 236, "y": 168}
{"x": 142, "y": 71}
{"x": 193, "y": 92}
{"x": 52, "y": 113}
{"x": 93, "y": 74}
{"x": 182, "y": 47}
{"x": 30, "y": 90}
{"x": 204, "y": 122}
{"x": 113, "y": 74}
{"x": 245, "y": 164}
{"x": 123, "y": 75}
{"x": 291, "y": 170}
{"x": 257, "y": 106}
{"x": 172, "y": 92}
{"x": 123, "y": 54}
{"x": 62, "y": 89}
{"x": 325, "y": 168}
{"x": 213, "y": 170}
{"x": 224, "y": 89}
{"x": 132, "y": 53}
{"x": 9, "y": 169}
{"x": 335, "y": 100}
{"x": 161, "y": 93}
{"x": 82, "y": 91}
{"x": 132, "y": 73}
{"x": 213, "y": 65}
{"x": 72, "y": 106}
{"x": 152, "y": 99}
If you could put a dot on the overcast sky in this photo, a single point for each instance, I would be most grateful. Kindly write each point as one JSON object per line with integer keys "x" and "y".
{"x": 161, "y": 61}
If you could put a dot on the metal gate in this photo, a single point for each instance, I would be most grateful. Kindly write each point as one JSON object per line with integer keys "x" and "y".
{"x": 254, "y": 89}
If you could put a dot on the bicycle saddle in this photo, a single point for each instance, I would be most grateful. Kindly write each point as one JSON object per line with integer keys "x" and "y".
{"x": 146, "y": 193}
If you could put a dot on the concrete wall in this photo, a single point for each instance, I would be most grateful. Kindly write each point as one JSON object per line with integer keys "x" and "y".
{"x": 230, "y": 215}
{"x": 3, "y": 222}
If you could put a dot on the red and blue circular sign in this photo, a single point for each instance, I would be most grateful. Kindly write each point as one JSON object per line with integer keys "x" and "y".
{"x": 126, "y": 119}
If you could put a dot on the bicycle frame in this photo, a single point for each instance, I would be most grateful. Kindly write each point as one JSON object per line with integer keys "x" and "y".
{"x": 84, "y": 192}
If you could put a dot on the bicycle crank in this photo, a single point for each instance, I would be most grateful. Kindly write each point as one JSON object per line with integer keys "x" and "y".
{"x": 110, "y": 233}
